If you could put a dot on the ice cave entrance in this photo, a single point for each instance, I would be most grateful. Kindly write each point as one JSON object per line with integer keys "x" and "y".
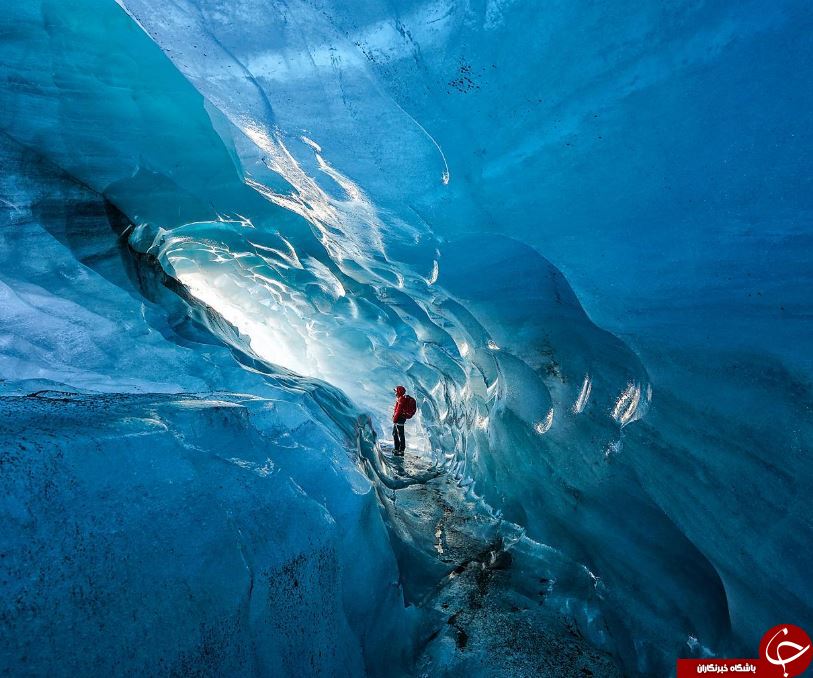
{"x": 245, "y": 288}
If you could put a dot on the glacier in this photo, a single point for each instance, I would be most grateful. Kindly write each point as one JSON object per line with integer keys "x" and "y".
{"x": 578, "y": 233}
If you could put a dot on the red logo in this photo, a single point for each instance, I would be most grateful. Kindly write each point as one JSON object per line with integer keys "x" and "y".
{"x": 785, "y": 651}
{"x": 788, "y": 648}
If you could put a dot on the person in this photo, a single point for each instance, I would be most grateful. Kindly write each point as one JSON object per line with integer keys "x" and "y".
{"x": 399, "y": 417}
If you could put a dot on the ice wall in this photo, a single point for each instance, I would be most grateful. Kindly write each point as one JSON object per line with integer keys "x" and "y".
{"x": 164, "y": 509}
{"x": 362, "y": 193}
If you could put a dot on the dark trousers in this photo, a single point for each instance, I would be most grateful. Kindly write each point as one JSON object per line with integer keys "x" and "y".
{"x": 398, "y": 438}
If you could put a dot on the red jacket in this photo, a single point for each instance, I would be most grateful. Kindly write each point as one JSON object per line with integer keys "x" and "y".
{"x": 400, "y": 392}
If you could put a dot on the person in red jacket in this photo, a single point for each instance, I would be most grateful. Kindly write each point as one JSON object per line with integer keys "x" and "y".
{"x": 398, "y": 419}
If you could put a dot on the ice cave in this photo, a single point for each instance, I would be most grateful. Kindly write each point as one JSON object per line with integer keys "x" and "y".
{"x": 578, "y": 233}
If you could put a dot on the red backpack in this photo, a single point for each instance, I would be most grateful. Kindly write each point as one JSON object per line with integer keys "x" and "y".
{"x": 409, "y": 406}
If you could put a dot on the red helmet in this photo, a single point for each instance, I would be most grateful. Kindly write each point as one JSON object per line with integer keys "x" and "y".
{"x": 399, "y": 391}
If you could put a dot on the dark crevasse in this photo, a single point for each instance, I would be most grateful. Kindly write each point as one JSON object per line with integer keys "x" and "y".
{"x": 351, "y": 197}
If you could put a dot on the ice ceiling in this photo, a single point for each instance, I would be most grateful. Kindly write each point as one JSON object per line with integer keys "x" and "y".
{"x": 362, "y": 194}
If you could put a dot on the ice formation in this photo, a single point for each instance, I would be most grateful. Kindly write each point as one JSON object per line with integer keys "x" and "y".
{"x": 229, "y": 228}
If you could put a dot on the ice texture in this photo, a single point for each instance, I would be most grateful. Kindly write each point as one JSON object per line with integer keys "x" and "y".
{"x": 165, "y": 510}
{"x": 576, "y": 232}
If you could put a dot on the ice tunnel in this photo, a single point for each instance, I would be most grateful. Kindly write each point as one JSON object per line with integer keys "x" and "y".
{"x": 578, "y": 234}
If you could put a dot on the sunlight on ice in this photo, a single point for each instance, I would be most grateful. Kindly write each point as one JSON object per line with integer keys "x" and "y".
{"x": 584, "y": 395}
{"x": 265, "y": 340}
{"x": 627, "y": 404}
{"x": 544, "y": 426}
